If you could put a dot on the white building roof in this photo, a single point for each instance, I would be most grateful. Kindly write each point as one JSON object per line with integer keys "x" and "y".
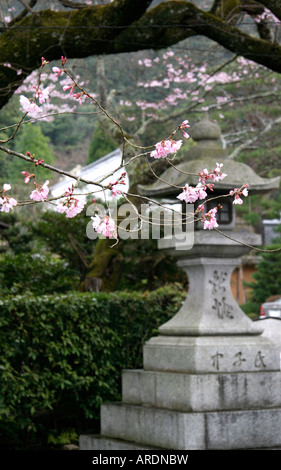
{"x": 93, "y": 172}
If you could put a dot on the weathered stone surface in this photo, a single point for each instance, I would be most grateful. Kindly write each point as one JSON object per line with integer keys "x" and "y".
{"x": 212, "y": 244}
{"x": 211, "y": 354}
{"x": 148, "y": 426}
{"x": 202, "y": 392}
{"x": 210, "y": 308}
{"x": 155, "y": 427}
{"x": 271, "y": 329}
{"x": 94, "y": 442}
{"x": 249, "y": 429}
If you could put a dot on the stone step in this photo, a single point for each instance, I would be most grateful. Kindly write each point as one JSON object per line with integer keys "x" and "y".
{"x": 95, "y": 442}
{"x": 202, "y": 392}
{"x": 167, "y": 429}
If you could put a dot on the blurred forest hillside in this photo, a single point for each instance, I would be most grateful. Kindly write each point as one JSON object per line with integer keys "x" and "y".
{"x": 150, "y": 100}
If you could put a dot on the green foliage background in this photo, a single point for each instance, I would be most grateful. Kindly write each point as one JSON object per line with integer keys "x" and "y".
{"x": 100, "y": 145}
{"x": 267, "y": 279}
{"x": 61, "y": 355}
{"x": 62, "y": 350}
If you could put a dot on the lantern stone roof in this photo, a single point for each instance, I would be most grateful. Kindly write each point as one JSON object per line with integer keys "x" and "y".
{"x": 207, "y": 153}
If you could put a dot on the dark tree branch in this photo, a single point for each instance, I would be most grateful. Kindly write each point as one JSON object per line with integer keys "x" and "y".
{"x": 252, "y": 7}
{"x": 27, "y": 9}
{"x": 121, "y": 26}
{"x": 27, "y": 6}
{"x": 72, "y": 5}
{"x": 78, "y": 33}
{"x": 193, "y": 21}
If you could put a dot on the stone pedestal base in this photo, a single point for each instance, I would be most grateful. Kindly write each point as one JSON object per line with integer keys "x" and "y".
{"x": 210, "y": 380}
{"x": 130, "y": 427}
{"x": 181, "y": 411}
{"x": 94, "y": 442}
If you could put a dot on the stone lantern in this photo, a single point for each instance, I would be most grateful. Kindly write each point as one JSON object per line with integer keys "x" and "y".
{"x": 210, "y": 380}
{"x": 210, "y": 307}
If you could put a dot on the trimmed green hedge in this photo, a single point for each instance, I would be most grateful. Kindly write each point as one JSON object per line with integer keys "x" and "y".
{"x": 35, "y": 274}
{"x": 62, "y": 355}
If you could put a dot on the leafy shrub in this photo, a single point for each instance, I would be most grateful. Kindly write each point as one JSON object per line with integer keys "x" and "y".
{"x": 267, "y": 278}
{"x": 36, "y": 273}
{"x": 61, "y": 356}
{"x": 251, "y": 309}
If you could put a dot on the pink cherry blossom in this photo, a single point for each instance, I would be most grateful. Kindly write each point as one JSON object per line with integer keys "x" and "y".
{"x": 165, "y": 147}
{"x": 245, "y": 190}
{"x": 189, "y": 194}
{"x": 29, "y": 106}
{"x": 105, "y": 226}
{"x": 216, "y": 174}
{"x": 71, "y": 207}
{"x": 120, "y": 180}
{"x": 39, "y": 161}
{"x": 200, "y": 189}
{"x": 42, "y": 95}
{"x": 57, "y": 71}
{"x": 40, "y": 193}
{"x": 27, "y": 176}
{"x": 185, "y": 134}
{"x": 237, "y": 199}
{"x": 204, "y": 175}
{"x": 115, "y": 191}
{"x": 79, "y": 96}
{"x": 183, "y": 126}
{"x": 237, "y": 192}
{"x": 6, "y": 187}
{"x": 68, "y": 87}
{"x": 200, "y": 208}
{"x": 44, "y": 61}
{"x": 210, "y": 220}
{"x": 7, "y": 203}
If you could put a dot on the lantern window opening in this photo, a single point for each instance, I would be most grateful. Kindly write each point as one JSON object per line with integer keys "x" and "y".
{"x": 224, "y": 213}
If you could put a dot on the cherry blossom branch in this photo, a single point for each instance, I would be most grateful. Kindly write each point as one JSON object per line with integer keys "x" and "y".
{"x": 71, "y": 206}
{"x": 246, "y": 244}
{"x": 43, "y": 116}
{"x": 84, "y": 93}
{"x": 47, "y": 166}
{"x": 28, "y": 6}
{"x": 15, "y": 131}
{"x": 272, "y": 93}
{"x": 161, "y": 179}
{"x": 29, "y": 105}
